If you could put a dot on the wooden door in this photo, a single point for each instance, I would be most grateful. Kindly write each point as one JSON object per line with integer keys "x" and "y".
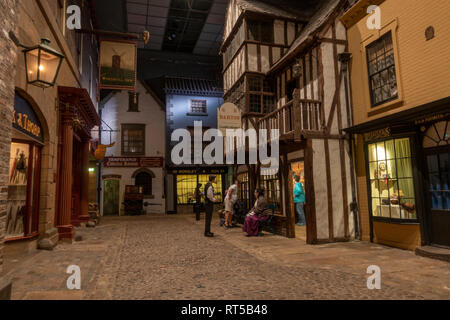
{"x": 438, "y": 188}
{"x": 111, "y": 197}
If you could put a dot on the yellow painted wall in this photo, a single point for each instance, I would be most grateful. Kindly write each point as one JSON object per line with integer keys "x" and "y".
{"x": 423, "y": 75}
{"x": 397, "y": 235}
{"x": 423, "y": 66}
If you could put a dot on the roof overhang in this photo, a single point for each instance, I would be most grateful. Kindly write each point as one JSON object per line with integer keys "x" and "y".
{"x": 430, "y": 112}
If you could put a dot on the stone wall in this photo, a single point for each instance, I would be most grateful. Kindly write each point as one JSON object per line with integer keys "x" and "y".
{"x": 8, "y": 22}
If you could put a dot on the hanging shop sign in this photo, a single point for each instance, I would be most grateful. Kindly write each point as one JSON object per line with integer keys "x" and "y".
{"x": 228, "y": 117}
{"x": 118, "y": 65}
{"x": 25, "y": 120}
{"x": 133, "y": 162}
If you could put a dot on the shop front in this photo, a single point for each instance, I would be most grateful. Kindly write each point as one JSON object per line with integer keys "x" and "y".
{"x": 185, "y": 180}
{"x": 407, "y": 171}
{"x": 24, "y": 173}
{"x": 77, "y": 118}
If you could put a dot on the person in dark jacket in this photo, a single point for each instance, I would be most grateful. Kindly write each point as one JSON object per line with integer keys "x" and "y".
{"x": 209, "y": 205}
{"x": 198, "y": 201}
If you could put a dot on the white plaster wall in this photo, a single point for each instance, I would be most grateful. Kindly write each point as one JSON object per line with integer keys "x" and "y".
{"x": 329, "y": 82}
{"x": 158, "y": 201}
{"x": 252, "y": 57}
{"x": 279, "y": 31}
{"x": 115, "y": 113}
{"x": 320, "y": 188}
{"x": 351, "y": 221}
{"x": 291, "y": 32}
{"x": 336, "y": 187}
{"x": 265, "y": 63}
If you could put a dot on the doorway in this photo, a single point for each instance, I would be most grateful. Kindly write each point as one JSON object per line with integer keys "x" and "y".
{"x": 438, "y": 187}
{"x": 111, "y": 197}
{"x": 297, "y": 168}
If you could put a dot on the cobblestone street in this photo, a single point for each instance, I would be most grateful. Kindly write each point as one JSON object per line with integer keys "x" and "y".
{"x": 167, "y": 257}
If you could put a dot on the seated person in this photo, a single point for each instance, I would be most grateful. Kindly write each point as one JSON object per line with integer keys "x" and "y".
{"x": 251, "y": 223}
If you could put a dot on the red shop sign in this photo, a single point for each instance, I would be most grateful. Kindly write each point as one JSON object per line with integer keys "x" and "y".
{"x": 133, "y": 162}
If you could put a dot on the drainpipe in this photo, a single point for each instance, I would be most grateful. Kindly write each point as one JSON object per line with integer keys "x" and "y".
{"x": 344, "y": 58}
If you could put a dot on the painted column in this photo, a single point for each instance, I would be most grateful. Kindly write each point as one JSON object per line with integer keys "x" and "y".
{"x": 65, "y": 227}
{"x": 84, "y": 205}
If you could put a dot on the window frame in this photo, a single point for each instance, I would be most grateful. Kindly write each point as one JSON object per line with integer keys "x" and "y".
{"x": 149, "y": 183}
{"x": 394, "y": 66}
{"x": 261, "y": 93}
{"x": 132, "y": 126}
{"x": 204, "y": 110}
{"x": 413, "y": 157}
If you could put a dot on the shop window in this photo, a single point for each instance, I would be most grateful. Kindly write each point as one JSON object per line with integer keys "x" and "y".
{"x": 186, "y": 185}
{"x": 144, "y": 179}
{"x": 391, "y": 180}
{"x": 243, "y": 189}
{"x": 198, "y": 106}
{"x": 271, "y": 185}
{"x": 133, "y": 139}
{"x": 132, "y": 105}
{"x": 381, "y": 67}
{"x": 23, "y": 190}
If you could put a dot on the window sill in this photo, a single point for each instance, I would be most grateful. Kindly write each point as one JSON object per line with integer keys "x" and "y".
{"x": 197, "y": 114}
{"x": 387, "y": 106}
{"x": 396, "y": 221}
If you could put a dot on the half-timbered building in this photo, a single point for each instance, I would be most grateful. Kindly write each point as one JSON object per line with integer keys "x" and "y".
{"x": 286, "y": 69}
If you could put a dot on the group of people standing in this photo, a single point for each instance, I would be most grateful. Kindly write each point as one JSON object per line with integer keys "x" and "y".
{"x": 252, "y": 219}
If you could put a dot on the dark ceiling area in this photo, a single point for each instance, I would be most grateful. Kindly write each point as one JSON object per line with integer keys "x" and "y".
{"x": 185, "y": 35}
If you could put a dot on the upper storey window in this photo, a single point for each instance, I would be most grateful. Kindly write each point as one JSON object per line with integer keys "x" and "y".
{"x": 261, "y": 31}
{"x": 381, "y": 66}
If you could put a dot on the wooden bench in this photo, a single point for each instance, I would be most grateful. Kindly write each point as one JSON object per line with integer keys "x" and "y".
{"x": 267, "y": 223}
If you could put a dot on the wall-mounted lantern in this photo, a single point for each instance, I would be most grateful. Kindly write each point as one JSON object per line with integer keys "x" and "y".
{"x": 42, "y": 64}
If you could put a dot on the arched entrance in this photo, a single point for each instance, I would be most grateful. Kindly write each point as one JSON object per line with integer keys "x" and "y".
{"x": 144, "y": 178}
{"x": 24, "y": 179}
{"x": 436, "y": 145}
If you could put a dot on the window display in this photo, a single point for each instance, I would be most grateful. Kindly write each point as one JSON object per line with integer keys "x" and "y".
{"x": 17, "y": 190}
{"x": 391, "y": 179}
{"x": 186, "y": 185}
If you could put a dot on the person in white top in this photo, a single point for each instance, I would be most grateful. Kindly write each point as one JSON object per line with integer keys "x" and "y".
{"x": 230, "y": 200}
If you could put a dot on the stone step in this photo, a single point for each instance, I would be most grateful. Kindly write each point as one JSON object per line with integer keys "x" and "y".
{"x": 434, "y": 253}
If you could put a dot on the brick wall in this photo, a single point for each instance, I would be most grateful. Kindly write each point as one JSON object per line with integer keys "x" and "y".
{"x": 8, "y": 21}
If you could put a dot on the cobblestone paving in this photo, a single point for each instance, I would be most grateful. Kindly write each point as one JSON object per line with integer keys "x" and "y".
{"x": 167, "y": 257}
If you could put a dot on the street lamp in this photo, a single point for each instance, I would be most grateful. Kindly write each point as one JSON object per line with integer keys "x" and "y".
{"x": 42, "y": 64}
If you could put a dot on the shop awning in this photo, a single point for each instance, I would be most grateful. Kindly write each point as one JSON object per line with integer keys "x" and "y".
{"x": 430, "y": 112}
